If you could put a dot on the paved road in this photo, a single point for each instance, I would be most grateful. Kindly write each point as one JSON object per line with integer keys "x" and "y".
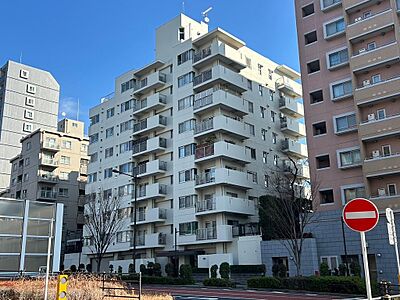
{"x": 181, "y": 293}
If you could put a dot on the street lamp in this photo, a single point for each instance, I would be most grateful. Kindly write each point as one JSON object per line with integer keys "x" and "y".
{"x": 135, "y": 180}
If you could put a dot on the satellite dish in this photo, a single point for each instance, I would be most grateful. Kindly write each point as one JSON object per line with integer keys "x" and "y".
{"x": 206, "y": 19}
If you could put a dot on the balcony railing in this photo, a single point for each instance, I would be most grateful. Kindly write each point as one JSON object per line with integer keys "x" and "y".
{"x": 48, "y": 194}
{"x": 141, "y": 125}
{"x": 142, "y": 168}
{"x": 201, "y": 54}
{"x": 49, "y": 161}
{"x": 48, "y": 177}
{"x": 366, "y": 17}
{"x": 204, "y": 126}
{"x": 206, "y": 205}
{"x": 142, "y": 192}
{"x": 140, "y": 104}
{"x": 201, "y": 102}
{"x": 142, "y": 146}
{"x": 204, "y": 151}
{"x": 143, "y": 216}
{"x": 205, "y": 178}
{"x": 206, "y": 234}
{"x": 49, "y": 145}
{"x": 204, "y": 76}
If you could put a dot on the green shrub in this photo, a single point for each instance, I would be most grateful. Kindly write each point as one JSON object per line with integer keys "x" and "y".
{"x": 119, "y": 270}
{"x": 213, "y": 271}
{"x": 131, "y": 269}
{"x": 170, "y": 269}
{"x": 200, "y": 270}
{"x": 81, "y": 268}
{"x": 247, "y": 269}
{"x": 185, "y": 272}
{"x": 275, "y": 270}
{"x": 224, "y": 270}
{"x": 342, "y": 270}
{"x": 220, "y": 282}
{"x": 111, "y": 267}
{"x": 355, "y": 269}
{"x": 264, "y": 282}
{"x": 89, "y": 268}
{"x": 157, "y": 269}
{"x": 73, "y": 268}
{"x": 143, "y": 269}
{"x": 324, "y": 284}
{"x": 282, "y": 271}
{"x": 159, "y": 280}
{"x": 324, "y": 269}
{"x": 150, "y": 268}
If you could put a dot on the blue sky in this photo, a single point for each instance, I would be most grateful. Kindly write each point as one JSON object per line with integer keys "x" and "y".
{"x": 85, "y": 44}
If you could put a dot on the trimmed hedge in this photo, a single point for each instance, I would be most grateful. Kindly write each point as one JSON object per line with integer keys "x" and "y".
{"x": 247, "y": 269}
{"x": 220, "y": 282}
{"x": 328, "y": 284}
{"x": 159, "y": 280}
{"x": 200, "y": 270}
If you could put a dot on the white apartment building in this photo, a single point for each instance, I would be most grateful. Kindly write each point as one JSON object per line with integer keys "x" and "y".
{"x": 28, "y": 101}
{"x": 204, "y": 124}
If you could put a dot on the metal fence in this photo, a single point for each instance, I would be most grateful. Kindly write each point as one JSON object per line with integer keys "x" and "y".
{"x": 128, "y": 288}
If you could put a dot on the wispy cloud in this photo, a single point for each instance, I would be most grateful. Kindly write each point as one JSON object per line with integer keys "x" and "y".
{"x": 68, "y": 108}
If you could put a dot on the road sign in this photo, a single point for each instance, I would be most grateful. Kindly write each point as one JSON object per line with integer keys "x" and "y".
{"x": 391, "y": 226}
{"x": 360, "y": 215}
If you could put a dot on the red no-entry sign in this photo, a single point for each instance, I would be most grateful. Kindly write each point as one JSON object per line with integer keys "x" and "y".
{"x": 360, "y": 215}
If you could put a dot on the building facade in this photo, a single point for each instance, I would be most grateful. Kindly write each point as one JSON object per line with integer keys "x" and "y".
{"x": 25, "y": 228}
{"x": 28, "y": 101}
{"x": 349, "y": 57}
{"x": 202, "y": 126}
{"x": 52, "y": 167}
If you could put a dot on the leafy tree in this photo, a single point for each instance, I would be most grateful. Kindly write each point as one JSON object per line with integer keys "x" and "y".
{"x": 170, "y": 269}
{"x": 213, "y": 271}
{"x": 224, "y": 270}
{"x": 89, "y": 268}
{"x": 185, "y": 272}
{"x": 157, "y": 269}
{"x": 73, "y": 268}
{"x": 131, "y": 270}
{"x": 324, "y": 269}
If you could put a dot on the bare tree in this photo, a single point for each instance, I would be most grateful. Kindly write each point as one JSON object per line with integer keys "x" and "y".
{"x": 287, "y": 209}
{"x": 102, "y": 222}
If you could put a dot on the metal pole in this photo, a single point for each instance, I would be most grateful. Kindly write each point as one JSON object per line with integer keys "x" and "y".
{"x": 46, "y": 288}
{"x": 396, "y": 249}
{"x": 135, "y": 180}
{"x": 140, "y": 285}
{"x": 366, "y": 267}
{"x": 176, "y": 263}
{"x": 345, "y": 248}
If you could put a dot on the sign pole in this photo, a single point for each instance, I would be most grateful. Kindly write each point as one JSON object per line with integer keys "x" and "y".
{"x": 366, "y": 267}
{"x": 396, "y": 249}
{"x": 46, "y": 288}
{"x": 393, "y": 237}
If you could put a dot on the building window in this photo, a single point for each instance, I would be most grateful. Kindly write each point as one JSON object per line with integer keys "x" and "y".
{"x": 127, "y": 125}
{"x": 341, "y": 90}
{"x": 185, "y": 79}
{"x": 319, "y": 128}
{"x": 310, "y": 37}
{"x": 29, "y": 101}
{"x": 189, "y": 228}
{"x": 274, "y": 138}
{"x": 350, "y": 193}
{"x": 94, "y": 138}
{"x": 313, "y": 66}
{"x": 108, "y": 152}
{"x": 127, "y": 105}
{"x": 108, "y": 173}
{"x": 27, "y": 127}
{"x": 331, "y": 261}
{"x": 265, "y": 157}
{"x": 276, "y": 160}
{"x": 126, "y": 167}
{"x": 252, "y": 152}
{"x": 109, "y": 132}
{"x": 345, "y": 123}
{"x": 323, "y": 161}
{"x": 329, "y": 3}
{"x": 64, "y": 176}
{"x": 392, "y": 189}
{"x": 187, "y": 175}
{"x": 262, "y": 111}
{"x": 94, "y": 119}
{"x": 307, "y": 10}
{"x": 263, "y": 134}
{"x": 65, "y": 160}
{"x": 93, "y": 157}
{"x": 266, "y": 180}
{"x": 26, "y": 177}
{"x": 250, "y": 107}
{"x": 185, "y": 56}
{"x": 27, "y": 161}
{"x": 334, "y": 28}
{"x": 273, "y": 115}
{"x": 349, "y": 158}
{"x": 28, "y": 146}
{"x": 110, "y": 112}
{"x": 316, "y": 97}
{"x": 187, "y": 201}
{"x": 326, "y": 196}
{"x": 338, "y": 58}
{"x": 252, "y": 176}
{"x": 251, "y": 128}
{"x": 249, "y": 84}
{"x": 375, "y": 78}
{"x": 181, "y": 33}
{"x": 127, "y": 85}
{"x": 370, "y": 46}
{"x": 260, "y": 68}
{"x": 63, "y": 192}
{"x": 187, "y": 150}
{"x": 186, "y": 126}
{"x": 125, "y": 147}
{"x": 92, "y": 177}
{"x": 185, "y": 102}
{"x": 271, "y": 95}
{"x": 28, "y": 114}
{"x": 260, "y": 90}
{"x": 24, "y": 74}
{"x": 31, "y": 89}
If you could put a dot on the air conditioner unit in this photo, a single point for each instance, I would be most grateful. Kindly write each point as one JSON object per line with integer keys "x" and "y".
{"x": 375, "y": 153}
{"x": 381, "y": 192}
{"x": 358, "y": 19}
{"x": 371, "y": 117}
{"x": 366, "y": 82}
{"x": 361, "y": 50}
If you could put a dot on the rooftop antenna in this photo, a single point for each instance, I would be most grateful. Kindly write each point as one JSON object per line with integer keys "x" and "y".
{"x": 77, "y": 112}
{"x": 20, "y": 58}
{"x": 206, "y": 19}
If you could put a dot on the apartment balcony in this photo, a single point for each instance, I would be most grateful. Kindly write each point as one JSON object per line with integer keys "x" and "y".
{"x": 225, "y": 204}
{"x": 223, "y": 176}
{"x": 47, "y": 195}
{"x": 381, "y": 166}
{"x": 384, "y": 201}
{"x": 150, "y": 146}
{"x": 153, "y": 123}
{"x": 155, "y": 101}
{"x": 289, "y": 87}
{"x": 49, "y": 178}
{"x": 303, "y": 171}
{"x": 222, "y": 124}
{"x": 55, "y": 147}
{"x": 366, "y": 60}
{"x": 378, "y": 91}
{"x": 377, "y": 129}
{"x": 151, "y": 191}
{"x": 370, "y": 26}
{"x": 151, "y": 82}
{"x": 219, "y": 75}
{"x": 151, "y": 168}
{"x": 221, "y": 52}
{"x": 152, "y": 240}
{"x": 354, "y": 5}
{"x": 83, "y": 170}
{"x": 222, "y": 149}
{"x": 293, "y": 127}
{"x": 204, "y": 102}
{"x": 48, "y": 162}
{"x": 218, "y": 234}
{"x": 294, "y": 148}
{"x": 291, "y": 107}
{"x": 152, "y": 215}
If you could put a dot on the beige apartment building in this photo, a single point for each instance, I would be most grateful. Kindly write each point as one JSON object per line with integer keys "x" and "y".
{"x": 203, "y": 125}
{"x": 52, "y": 167}
{"x": 350, "y": 65}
